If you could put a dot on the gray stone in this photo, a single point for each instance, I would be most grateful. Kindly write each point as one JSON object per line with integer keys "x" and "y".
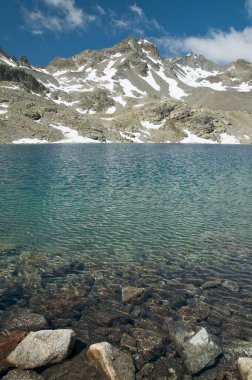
{"x": 114, "y": 364}
{"x": 42, "y": 348}
{"x": 19, "y": 374}
{"x": 196, "y": 347}
{"x": 244, "y": 366}
{"x": 200, "y": 351}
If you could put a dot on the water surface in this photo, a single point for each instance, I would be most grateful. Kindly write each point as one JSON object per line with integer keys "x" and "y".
{"x": 115, "y": 215}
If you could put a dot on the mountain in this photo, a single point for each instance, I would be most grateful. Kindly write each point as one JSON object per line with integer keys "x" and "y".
{"x": 127, "y": 93}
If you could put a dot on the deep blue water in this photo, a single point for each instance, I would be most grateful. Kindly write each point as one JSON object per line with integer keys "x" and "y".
{"x": 193, "y": 202}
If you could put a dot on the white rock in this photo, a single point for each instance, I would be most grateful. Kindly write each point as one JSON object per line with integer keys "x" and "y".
{"x": 114, "y": 364}
{"x": 42, "y": 347}
{"x": 245, "y": 368}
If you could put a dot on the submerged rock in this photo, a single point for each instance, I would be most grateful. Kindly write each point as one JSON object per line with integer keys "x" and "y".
{"x": 231, "y": 285}
{"x": 130, "y": 292}
{"x": 244, "y": 366}
{"x": 151, "y": 343}
{"x": 114, "y": 364}
{"x": 196, "y": 347}
{"x": 128, "y": 342}
{"x": 164, "y": 368}
{"x": 18, "y": 374}
{"x": 42, "y": 348}
{"x": 26, "y": 321}
{"x": 211, "y": 284}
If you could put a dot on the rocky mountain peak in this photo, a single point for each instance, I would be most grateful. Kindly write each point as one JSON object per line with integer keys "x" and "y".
{"x": 197, "y": 61}
{"x": 128, "y": 92}
{"x": 23, "y": 61}
{"x": 132, "y": 45}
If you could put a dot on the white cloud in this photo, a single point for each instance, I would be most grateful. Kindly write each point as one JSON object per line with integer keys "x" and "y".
{"x": 39, "y": 21}
{"x": 37, "y": 32}
{"x": 136, "y": 25}
{"x": 100, "y": 10}
{"x": 248, "y": 6}
{"x": 122, "y": 24}
{"x": 60, "y": 16}
{"x": 218, "y": 46}
{"x": 137, "y": 9}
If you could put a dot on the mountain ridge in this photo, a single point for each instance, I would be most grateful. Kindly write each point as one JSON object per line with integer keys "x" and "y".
{"x": 122, "y": 93}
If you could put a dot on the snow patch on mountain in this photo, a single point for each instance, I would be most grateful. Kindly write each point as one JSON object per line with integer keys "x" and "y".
{"x": 80, "y": 110}
{"x": 71, "y": 135}
{"x": 111, "y": 110}
{"x": 119, "y": 99}
{"x": 68, "y": 104}
{"x": 133, "y": 137}
{"x": 196, "y": 77}
{"x": 128, "y": 88}
{"x": 30, "y": 141}
{"x": 244, "y": 87}
{"x": 12, "y": 87}
{"x": 174, "y": 90}
{"x": 3, "y": 108}
{"x": 8, "y": 61}
{"x": 149, "y": 125}
{"x": 194, "y": 139}
{"x": 150, "y": 57}
{"x": 150, "y": 80}
{"x": 228, "y": 139}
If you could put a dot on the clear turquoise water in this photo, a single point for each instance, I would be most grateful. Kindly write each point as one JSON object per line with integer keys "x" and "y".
{"x": 191, "y": 203}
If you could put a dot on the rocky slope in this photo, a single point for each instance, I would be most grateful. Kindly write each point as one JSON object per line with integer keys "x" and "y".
{"x": 126, "y": 93}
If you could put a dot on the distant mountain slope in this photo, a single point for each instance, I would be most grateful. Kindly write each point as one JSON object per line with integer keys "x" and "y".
{"x": 127, "y": 93}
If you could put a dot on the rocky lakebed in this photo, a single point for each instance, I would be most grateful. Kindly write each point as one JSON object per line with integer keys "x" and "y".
{"x": 134, "y": 319}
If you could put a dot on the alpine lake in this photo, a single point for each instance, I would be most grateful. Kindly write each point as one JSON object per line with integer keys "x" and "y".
{"x": 81, "y": 222}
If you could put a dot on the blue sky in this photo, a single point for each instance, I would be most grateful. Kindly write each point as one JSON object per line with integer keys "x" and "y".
{"x": 221, "y": 30}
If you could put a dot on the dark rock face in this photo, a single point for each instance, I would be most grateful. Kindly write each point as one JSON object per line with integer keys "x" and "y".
{"x": 18, "y": 75}
{"x": 23, "y": 61}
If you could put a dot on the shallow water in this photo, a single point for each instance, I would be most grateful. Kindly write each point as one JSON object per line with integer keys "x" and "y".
{"x": 145, "y": 215}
